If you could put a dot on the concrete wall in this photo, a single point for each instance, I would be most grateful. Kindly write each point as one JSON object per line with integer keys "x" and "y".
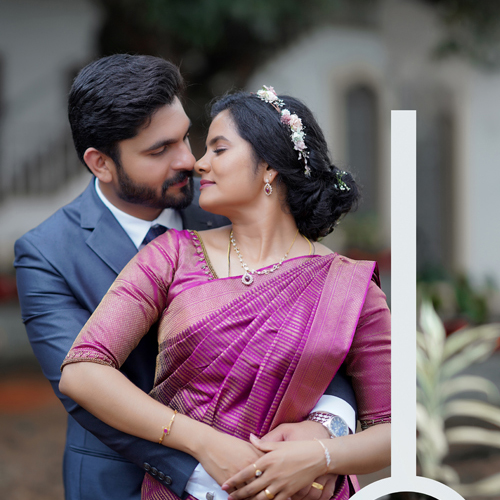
{"x": 41, "y": 44}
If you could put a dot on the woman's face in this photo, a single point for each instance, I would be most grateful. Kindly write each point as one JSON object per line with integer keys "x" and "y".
{"x": 231, "y": 178}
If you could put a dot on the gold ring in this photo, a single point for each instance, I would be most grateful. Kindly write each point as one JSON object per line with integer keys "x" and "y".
{"x": 317, "y": 486}
{"x": 258, "y": 472}
{"x": 268, "y": 494}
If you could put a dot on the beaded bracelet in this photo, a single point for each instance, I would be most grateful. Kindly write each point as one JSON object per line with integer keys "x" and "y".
{"x": 327, "y": 453}
{"x": 166, "y": 430}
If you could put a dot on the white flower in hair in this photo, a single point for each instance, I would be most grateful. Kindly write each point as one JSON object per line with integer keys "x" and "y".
{"x": 267, "y": 94}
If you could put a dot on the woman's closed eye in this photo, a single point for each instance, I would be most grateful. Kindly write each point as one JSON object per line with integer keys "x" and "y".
{"x": 219, "y": 150}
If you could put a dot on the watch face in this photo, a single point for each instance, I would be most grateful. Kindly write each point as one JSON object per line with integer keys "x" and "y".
{"x": 337, "y": 427}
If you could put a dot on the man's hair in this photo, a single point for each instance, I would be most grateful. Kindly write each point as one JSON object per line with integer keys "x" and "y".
{"x": 114, "y": 97}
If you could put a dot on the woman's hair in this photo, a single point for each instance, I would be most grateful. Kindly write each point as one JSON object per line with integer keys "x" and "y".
{"x": 316, "y": 202}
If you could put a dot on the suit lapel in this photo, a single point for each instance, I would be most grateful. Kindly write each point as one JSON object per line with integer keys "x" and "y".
{"x": 107, "y": 237}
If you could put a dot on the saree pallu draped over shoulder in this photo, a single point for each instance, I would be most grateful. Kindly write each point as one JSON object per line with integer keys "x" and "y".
{"x": 250, "y": 361}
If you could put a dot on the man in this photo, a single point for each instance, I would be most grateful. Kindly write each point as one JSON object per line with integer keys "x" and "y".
{"x": 131, "y": 131}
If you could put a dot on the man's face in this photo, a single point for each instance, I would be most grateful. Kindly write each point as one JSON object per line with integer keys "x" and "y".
{"x": 156, "y": 166}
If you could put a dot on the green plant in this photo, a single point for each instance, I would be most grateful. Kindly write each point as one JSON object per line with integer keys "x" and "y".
{"x": 440, "y": 361}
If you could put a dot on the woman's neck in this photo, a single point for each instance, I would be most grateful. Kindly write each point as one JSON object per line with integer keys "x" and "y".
{"x": 266, "y": 241}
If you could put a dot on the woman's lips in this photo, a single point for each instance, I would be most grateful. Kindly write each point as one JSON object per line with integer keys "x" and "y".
{"x": 205, "y": 183}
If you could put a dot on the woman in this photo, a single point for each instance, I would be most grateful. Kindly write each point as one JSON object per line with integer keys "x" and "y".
{"x": 241, "y": 351}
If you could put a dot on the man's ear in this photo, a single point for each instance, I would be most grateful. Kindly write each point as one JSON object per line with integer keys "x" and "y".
{"x": 101, "y": 165}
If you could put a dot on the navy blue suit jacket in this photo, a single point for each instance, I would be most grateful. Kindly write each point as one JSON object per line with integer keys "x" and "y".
{"x": 64, "y": 268}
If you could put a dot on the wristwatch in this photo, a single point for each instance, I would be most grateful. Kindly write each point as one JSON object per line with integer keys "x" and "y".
{"x": 334, "y": 424}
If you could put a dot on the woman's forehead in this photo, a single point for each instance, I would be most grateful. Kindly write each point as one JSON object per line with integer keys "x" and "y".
{"x": 222, "y": 124}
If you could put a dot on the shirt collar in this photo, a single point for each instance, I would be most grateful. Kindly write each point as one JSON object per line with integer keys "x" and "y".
{"x": 137, "y": 228}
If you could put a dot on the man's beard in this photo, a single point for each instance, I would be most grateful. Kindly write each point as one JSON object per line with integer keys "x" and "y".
{"x": 138, "y": 194}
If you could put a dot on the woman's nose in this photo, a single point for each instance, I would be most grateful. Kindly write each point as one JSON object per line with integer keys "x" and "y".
{"x": 202, "y": 165}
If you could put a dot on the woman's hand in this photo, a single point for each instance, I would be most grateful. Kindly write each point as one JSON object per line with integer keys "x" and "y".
{"x": 290, "y": 466}
{"x": 302, "y": 431}
{"x": 287, "y": 467}
{"x": 222, "y": 455}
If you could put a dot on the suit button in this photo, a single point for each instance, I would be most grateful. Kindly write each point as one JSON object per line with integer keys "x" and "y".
{"x": 154, "y": 471}
{"x": 147, "y": 467}
{"x": 168, "y": 480}
{"x": 161, "y": 476}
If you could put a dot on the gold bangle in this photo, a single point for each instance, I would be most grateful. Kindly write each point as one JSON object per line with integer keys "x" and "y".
{"x": 166, "y": 430}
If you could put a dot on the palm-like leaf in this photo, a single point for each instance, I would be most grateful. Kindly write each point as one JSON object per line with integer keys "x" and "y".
{"x": 439, "y": 362}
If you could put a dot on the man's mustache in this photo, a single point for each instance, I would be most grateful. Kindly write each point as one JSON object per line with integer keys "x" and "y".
{"x": 179, "y": 177}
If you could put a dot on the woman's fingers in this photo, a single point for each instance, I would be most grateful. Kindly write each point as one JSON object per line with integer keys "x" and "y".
{"x": 240, "y": 480}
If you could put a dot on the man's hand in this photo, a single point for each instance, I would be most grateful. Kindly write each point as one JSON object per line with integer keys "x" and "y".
{"x": 222, "y": 455}
{"x": 300, "y": 431}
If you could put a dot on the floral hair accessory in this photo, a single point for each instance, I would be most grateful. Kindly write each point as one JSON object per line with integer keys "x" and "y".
{"x": 340, "y": 184}
{"x": 297, "y": 135}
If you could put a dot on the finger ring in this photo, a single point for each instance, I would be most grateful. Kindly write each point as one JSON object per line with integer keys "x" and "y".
{"x": 317, "y": 486}
{"x": 268, "y": 494}
{"x": 258, "y": 472}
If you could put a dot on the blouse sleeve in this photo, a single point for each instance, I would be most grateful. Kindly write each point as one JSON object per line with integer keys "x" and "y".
{"x": 369, "y": 360}
{"x": 134, "y": 302}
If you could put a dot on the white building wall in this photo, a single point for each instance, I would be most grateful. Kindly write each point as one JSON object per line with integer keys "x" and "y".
{"x": 482, "y": 225}
{"x": 397, "y": 59}
{"x": 40, "y": 43}
{"x": 317, "y": 70}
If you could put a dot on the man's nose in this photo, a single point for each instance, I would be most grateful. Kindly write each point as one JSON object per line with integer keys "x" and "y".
{"x": 185, "y": 159}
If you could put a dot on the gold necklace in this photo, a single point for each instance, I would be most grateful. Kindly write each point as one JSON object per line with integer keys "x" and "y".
{"x": 247, "y": 278}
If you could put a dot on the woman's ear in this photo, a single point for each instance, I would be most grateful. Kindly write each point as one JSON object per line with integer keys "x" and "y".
{"x": 269, "y": 173}
{"x": 101, "y": 165}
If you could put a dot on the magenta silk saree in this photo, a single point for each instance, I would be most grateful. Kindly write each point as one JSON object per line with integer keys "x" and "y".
{"x": 245, "y": 359}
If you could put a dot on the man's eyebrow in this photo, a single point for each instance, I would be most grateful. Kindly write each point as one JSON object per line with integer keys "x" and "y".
{"x": 165, "y": 142}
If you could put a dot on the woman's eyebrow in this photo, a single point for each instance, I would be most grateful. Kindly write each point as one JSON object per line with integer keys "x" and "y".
{"x": 217, "y": 138}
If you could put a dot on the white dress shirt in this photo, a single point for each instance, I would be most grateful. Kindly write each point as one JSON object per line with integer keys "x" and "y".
{"x": 138, "y": 228}
{"x": 201, "y": 483}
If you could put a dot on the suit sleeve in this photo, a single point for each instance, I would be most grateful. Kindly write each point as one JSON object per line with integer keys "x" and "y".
{"x": 53, "y": 318}
{"x": 341, "y": 387}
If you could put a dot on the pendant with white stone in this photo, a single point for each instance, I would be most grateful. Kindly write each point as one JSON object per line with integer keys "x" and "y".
{"x": 247, "y": 278}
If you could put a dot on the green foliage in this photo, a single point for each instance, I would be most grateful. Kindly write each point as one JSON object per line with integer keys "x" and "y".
{"x": 455, "y": 296}
{"x": 440, "y": 361}
{"x": 362, "y": 231}
{"x": 217, "y": 43}
{"x": 472, "y": 30}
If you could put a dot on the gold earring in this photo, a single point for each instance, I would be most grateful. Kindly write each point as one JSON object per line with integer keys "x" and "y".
{"x": 268, "y": 189}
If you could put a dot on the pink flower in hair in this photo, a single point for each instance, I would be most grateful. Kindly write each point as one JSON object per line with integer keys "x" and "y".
{"x": 285, "y": 117}
{"x": 300, "y": 146}
{"x": 295, "y": 123}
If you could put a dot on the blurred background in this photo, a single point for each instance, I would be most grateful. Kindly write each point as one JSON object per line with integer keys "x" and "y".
{"x": 351, "y": 61}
